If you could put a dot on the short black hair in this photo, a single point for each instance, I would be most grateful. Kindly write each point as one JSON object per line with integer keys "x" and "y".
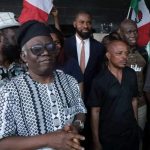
{"x": 82, "y": 12}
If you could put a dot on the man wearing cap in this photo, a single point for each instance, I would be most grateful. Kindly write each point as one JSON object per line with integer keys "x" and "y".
{"x": 9, "y": 53}
{"x": 41, "y": 109}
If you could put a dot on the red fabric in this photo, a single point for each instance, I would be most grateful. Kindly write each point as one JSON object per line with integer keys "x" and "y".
{"x": 31, "y": 12}
{"x": 144, "y": 35}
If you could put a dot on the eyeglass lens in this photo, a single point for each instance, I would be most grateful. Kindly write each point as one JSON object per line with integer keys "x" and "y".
{"x": 39, "y": 48}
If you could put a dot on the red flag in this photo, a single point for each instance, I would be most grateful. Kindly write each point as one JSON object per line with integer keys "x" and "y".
{"x": 35, "y": 10}
{"x": 142, "y": 17}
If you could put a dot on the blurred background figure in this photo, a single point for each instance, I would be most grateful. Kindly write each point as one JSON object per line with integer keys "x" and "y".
{"x": 55, "y": 14}
{"x": 137, "y": 60}
{"x": 10, "y": 64}
{"x": 65, "y": 62}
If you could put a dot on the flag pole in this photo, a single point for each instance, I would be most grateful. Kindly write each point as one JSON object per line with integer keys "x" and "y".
{"x": 128, "y": 12}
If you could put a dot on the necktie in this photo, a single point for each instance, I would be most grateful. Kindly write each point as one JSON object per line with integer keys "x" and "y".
{"x": 82, "y": 57}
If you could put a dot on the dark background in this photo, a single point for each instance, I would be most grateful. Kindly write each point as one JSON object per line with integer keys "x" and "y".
{"x": 107, "y": 14}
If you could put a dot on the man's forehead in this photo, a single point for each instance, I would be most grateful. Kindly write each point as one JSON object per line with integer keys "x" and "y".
{"x": 127, "y": 25}
{"x": 83, "y": 16}
{"x": 114, "y": 46}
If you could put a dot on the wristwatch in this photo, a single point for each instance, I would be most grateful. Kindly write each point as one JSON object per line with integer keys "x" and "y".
{"x": 78, "y": 124}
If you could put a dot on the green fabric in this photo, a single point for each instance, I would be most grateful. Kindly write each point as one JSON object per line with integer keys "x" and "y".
{"x": 148, "y": 50}
{"x": 134, "y": 5}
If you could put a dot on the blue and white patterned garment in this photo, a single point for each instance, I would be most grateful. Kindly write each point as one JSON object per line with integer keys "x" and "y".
{"x": 29, "y": 108}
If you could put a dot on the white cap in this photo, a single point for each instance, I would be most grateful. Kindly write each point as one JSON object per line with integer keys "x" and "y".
{"x": 7, "y": 20}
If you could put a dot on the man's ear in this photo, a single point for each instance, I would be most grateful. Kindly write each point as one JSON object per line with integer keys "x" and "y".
{"x": 120, "y": 32}
{"x": 1, "y": 38}
{"x": 107, "y": 55}
{"x": 74, "y": 24}
{"x": 23, "y": 56}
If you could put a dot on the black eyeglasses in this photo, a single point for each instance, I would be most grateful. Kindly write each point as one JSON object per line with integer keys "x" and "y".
{"x": 39, "y": 48}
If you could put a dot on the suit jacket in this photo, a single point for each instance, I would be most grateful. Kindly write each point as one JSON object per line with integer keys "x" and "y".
{"x": 94, "y": 63}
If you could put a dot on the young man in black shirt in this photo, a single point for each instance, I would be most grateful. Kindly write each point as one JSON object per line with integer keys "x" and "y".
{"x": 113, "y": 100}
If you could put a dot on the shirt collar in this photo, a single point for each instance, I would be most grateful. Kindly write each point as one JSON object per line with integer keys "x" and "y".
{"x": 79, "y": 40}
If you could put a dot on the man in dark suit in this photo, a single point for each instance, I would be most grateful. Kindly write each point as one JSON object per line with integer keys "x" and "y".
{"x": 89, "y": 53}
{"x": 94, "y": 51}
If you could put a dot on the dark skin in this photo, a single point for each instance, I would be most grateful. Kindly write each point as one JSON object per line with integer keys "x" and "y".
{"x": 128, "y": 32}
{"x": 40, "y": 69}
{"x": 1, "y": 52}
{"x": 117, "y": 53}
{"x": 55, "y": 14}
{"x": 58, "y": 44}
{"x": 8, "y": 39}
{"x": 60, "y": 140}
{"x": 83, "y": 25}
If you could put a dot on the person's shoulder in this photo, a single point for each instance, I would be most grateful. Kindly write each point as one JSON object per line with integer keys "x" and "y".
{"x": 63, "y": 75}
{"x": 143, "y": 52}
{"x": 71, "y": 64}
{"x": 141, "y": 49}
{"x": 129, "y": 71}
{"x": 18, "y": 80}
{"x": 96, "y": 42}
{"x": 68, "y": 43}
{"x": 67, "y": 39}
{"x": 97, "y": 47}
{"x": 9, "y": 86}
{"x": 19, "y": 77}
{"x": 101, "y": 76}
{"x": 72, "y": 61}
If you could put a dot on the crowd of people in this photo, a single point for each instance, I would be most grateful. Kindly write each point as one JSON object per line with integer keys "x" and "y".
{"x": 72, "y": 93}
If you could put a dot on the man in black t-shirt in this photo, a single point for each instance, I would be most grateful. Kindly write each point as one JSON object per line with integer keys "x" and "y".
{"x": 113, "y": 100}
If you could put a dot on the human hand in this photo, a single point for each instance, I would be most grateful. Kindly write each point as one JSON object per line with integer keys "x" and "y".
{"x": 64, "y": 140}
{"x": 70, "y": 128}
{"x": 54, "y": 12}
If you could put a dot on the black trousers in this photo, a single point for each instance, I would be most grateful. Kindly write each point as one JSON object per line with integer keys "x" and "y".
{"x": 128, "y": 141}
{"x": 146, "y": 139}
{"x": 87, "y": 144}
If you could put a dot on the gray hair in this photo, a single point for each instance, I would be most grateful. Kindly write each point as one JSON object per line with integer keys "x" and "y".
{"x": 24, "y": 49}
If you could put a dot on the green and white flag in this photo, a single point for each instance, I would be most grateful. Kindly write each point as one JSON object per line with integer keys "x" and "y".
{"x": 140, "y": 13}
{"x": 148, "y": 50}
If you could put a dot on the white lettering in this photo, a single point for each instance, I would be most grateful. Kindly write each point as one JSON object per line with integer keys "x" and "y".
{"x": 136, "y": 68}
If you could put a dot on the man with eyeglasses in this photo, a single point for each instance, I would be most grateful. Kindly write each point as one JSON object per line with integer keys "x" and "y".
{"x": 41, "y": 109}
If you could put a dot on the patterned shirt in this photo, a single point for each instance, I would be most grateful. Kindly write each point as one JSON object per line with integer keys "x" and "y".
{"x": 29, "y": 108}
{"x": 6, "y": 74}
